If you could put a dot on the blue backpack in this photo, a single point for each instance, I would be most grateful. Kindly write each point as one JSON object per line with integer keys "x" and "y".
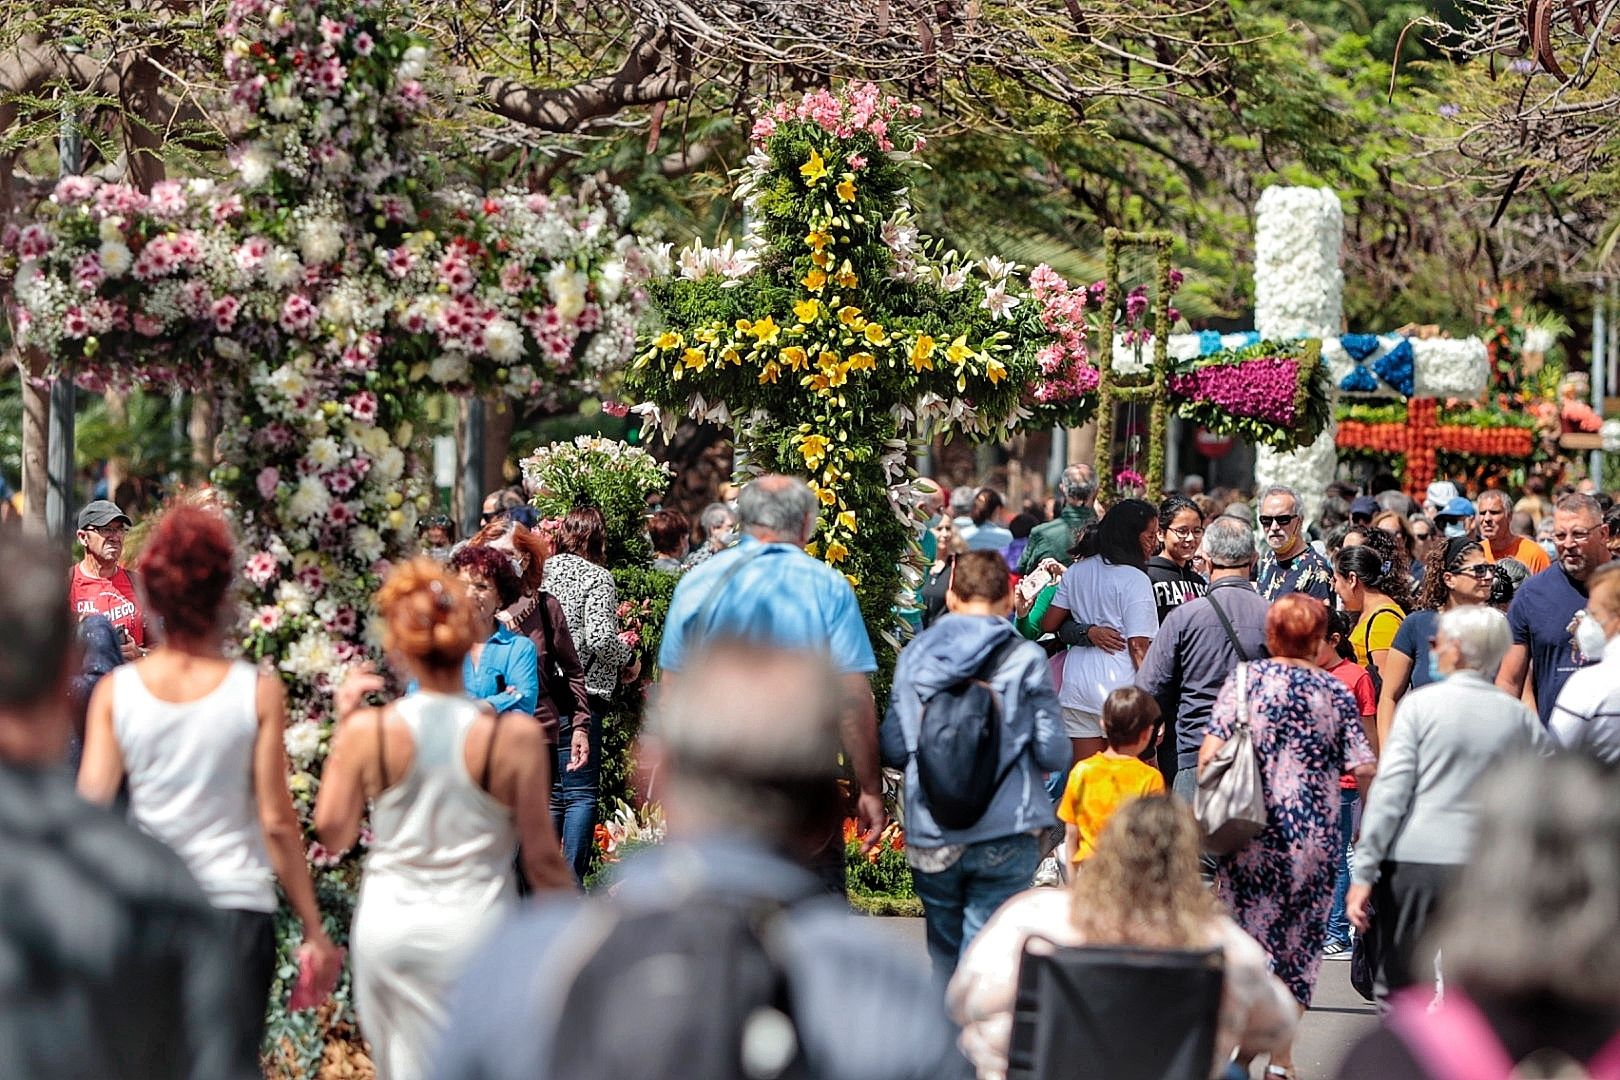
{"x": 959, "y": 744}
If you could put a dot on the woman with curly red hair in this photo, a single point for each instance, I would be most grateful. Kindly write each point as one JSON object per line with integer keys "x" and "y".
{"x": 453, "y": 789}
{"x": 1306, "y": 732}
{"x": 198, "y": 737}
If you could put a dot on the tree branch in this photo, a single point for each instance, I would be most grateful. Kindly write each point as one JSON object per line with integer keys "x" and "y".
{"x": 648, "y": 76}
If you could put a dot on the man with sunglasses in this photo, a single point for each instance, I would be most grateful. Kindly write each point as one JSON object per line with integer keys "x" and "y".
{"x": 99, "y": 585}
{"x": 1543, "y": 609}
{"x": 1289, "y": 564}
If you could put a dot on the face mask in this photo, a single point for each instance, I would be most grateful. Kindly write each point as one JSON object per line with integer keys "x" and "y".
{"x": 1589, "y": 636}
{"x": 1435, "y": 674}
{"x": 1456, "y": 528}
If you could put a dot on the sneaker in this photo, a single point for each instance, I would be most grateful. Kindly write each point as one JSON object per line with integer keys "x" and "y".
{"x": 1336, "y": 950}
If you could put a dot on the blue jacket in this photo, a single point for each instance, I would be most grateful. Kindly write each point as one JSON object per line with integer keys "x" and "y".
{"x": 512, "y": 658}
{"x": 949, "y": 650}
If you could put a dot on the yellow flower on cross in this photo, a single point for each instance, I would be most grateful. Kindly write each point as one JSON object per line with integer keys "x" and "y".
{"x": 836, "y": 551}
{"x": 814, "y": 449}
{"x": 846, "y": 520}
{"x": 807, "y": 311}
{"x": 875, "y": 335}
{"x": 846, "y": 276}
{"x": 770, "y": 372}
{"x": 958, "y": 351}
{"x": 818, "y": 239}
{"x": 922, "y": 353}
{"x": 795, "y": 357}
{"x": 995, "y": 370}
{"x": 765, "y": 330}
{"x": 846, "y": 188}
{"x": 667, "y": 340}
{"x": 815, "y": 280}
{"x": 814, "y": 170}
{"x": 695, "y": 358}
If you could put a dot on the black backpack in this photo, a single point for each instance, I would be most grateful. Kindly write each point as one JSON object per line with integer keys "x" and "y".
{"x": 959, "y": 744}
{"x": 673, "y": 992}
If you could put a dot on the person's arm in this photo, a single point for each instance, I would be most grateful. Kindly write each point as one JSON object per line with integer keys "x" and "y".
{"x": 1222, "y": 717}
{"x": 283, "y": 837}
{"x": 1052, "y": 746}
{"x": 519, "y": 777}
{"x": 101, "y": 768}
{"x": 521, "y": 669}
{"x": 858, "y": 729}
{"x": 1071, "y": 843}
{"x": 1390, "y": 800}
{"x": 1053, "y": 617}
{"x": 1512, "y": 676}
{"x": 560, "y": 646}
{"x": 1139, "y": 649}
{"x": 341, "y": 803}
{"x": 1567, "y": 728}
{"x": 1396, "y": 672}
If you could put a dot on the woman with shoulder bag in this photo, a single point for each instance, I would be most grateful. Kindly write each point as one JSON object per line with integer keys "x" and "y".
{"x": 1304, "y": 728}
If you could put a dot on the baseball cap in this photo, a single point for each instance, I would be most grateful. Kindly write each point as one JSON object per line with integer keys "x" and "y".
{"x": 1457, "y": 507}
{"x": 1441, "y": 492}
{"x": 1363, "y": 505}
{"x": 101, "y": 512}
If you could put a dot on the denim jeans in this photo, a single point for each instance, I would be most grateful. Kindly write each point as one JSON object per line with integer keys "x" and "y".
{"x": 574, "y": 794}
{"x": 960, "y": 899}
{"x": 1338, "y": 928}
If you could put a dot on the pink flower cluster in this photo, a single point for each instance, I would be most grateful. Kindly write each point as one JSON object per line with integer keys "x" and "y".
{"x": 1066, "y": 370}
{"x": 861, "y": 107}
{"x": 1263, "y": 388}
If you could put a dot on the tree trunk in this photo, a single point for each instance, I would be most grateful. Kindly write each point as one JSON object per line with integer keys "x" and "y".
{"x": 36, "y": 397}
{"x": 203, "y": 429}
{"x": 500, "y": 420}
{"x": 118, "y": 464}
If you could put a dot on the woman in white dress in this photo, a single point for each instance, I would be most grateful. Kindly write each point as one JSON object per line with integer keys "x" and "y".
{"x": 452, "y": 790}
{"x": 198, "y": 737}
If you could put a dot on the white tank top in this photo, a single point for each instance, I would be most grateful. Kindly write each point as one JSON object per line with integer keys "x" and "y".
{"x": 435, "y": 827}
{"x": 190, "y": 769}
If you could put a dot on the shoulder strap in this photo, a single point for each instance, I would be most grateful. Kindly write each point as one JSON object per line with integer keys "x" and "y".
{"x": 489, "y": 753}
{"x": 1366, "y": 634}
{"x": 382, "y": 755}
{"x": 705, "y": 614}
{"x": 1226, "y": 624}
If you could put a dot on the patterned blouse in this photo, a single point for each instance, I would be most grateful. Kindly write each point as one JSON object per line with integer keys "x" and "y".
{"x": 590, "y": 603}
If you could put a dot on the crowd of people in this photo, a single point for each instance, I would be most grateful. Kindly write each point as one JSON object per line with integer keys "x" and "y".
{"x": 1394, "y": 669}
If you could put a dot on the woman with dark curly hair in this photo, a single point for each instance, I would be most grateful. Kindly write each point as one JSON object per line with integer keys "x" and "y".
{"x": 1458, "y": 574}
{"x": 1141, "y": 887}
{"x": 1109, "y": 597}
{"x": 501, "y": 670}
{"x": 1363, "y": 579}
{"x": 198, "y": 738}
{"x": 1181, "y": 531}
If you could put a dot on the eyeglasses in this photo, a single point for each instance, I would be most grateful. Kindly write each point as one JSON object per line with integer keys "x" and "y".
{"x": 110, "y": 531}
{"x": 1575, "y": 536}
{"x": 1479, "y": 571}
{"x": 1281, "y": 520}
{"x": 1187, "y": 534}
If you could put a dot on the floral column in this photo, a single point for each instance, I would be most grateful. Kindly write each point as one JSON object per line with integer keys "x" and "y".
{"x": 1298, "y": 292}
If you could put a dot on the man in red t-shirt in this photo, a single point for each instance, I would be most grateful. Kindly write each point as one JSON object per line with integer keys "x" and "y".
{"x": 99, "y": 586}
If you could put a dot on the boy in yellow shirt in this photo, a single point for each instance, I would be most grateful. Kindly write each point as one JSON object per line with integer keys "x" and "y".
{"x": 1100, "y": 784}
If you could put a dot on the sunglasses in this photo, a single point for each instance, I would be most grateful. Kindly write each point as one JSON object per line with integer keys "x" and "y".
{"x": 1479, "y": 571}
{"x": 1268, "y": 520}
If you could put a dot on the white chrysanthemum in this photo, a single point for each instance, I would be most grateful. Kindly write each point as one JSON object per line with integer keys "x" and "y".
{"x": 372, "y": 440}
{"x": 1298, "y": 284}
{"x": 284, "y": 106}
{"x": 310, "y": 655}
{"x": 366, "y": 544}
{"x": 282, "y": 268}
{"x": 303, "y": 742}
{"x": 115, "y": 258}
{"x": 111, "y": 229}
{"x": 320, "y": 241}
{"x": 448, "y": 368}
{"x": 323, "y": 453}
{"x": 253, "y": 166}
{"x": 287, "y": 382}
{"x": 309, "y": 501}
{"x": 567, "y": 289}
{"x": 389, "y": 465}
{"x": 503, "y": 341}
{"x": 1450, "y": 367}
{"x": 610, "y": 281}
{"x": 293, "y": 598}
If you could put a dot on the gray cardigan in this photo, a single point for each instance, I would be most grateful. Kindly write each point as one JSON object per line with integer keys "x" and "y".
{"x": 1421, "y": 808}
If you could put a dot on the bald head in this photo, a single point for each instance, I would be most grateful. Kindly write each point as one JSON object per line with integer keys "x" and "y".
{"x": 777, "y": 508}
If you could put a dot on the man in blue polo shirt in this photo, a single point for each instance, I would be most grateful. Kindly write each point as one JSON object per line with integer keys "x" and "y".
{"x": 1545, "y": 604}
{"x": 767, "y": 590}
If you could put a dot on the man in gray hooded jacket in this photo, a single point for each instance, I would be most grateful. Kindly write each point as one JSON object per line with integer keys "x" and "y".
{"x": 963, "y": 876}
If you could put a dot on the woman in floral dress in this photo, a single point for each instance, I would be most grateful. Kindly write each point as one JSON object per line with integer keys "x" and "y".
{"x": 1306, "y": 731}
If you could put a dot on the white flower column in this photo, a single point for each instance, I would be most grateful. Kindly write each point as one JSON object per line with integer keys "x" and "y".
{"x": 1298, "y": 292}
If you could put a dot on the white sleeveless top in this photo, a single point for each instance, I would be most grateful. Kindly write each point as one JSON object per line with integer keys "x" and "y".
{"x": 435, "y": 827}
{"x": 190, "y": 769}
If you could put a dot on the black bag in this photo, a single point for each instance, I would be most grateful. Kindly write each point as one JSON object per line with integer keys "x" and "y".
{"x": 1119, "y": 1013}
{"x": 674, "y": 992}
{"x": 1363, "y": 960}
{"x": 959, "y": 744}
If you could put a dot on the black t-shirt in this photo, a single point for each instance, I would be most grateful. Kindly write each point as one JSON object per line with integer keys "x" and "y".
{"x": 1173, "y": 585}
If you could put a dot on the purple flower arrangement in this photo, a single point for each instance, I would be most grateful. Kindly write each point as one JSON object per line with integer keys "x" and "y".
{"x": 1263, "y": 388}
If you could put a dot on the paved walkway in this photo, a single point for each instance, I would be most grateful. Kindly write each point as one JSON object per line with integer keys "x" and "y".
{"x": 1337, "y": 1020}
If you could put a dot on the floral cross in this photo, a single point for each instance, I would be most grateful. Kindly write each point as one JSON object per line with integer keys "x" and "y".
{"x": 836, "y": 336}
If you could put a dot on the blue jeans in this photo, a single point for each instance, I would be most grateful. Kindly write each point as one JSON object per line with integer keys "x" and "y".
{"x": 1338, "y": 928}
{"x": 960, "y": 899}
{"x": 574, "y": 794}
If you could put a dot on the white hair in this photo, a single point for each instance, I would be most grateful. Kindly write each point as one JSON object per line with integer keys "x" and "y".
{"x": 1481, "y": 635}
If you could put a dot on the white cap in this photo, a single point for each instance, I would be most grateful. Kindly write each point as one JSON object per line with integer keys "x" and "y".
{"x": 1440, "y": 493}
